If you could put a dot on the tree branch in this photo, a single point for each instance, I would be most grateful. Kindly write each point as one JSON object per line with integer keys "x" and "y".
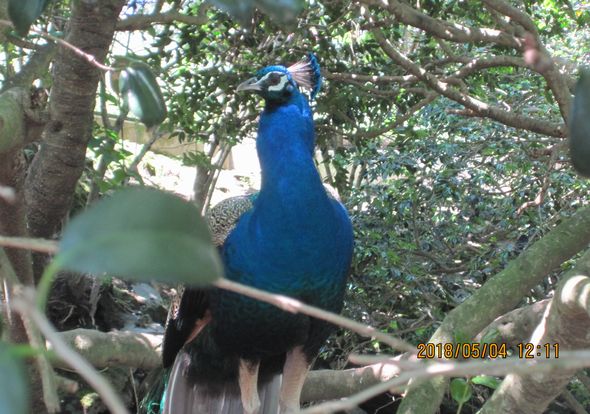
{"x": 114, "y": 349}
{"x": 294, "y": 306}
{"x": 516, "y": 15}
{"x": 141, "y": 22}
{"x": 354, "y": 77}
{"x": 453, "y": 32}
{"x": 479, "y": 107}
{"x": 473, "y": 65}
{"x": 34, "y": 68}
{"x": 26, "y": 306}
{"x": 566, "y": 315}
{"x": 420, "y": 371}
{"x": 54, "y": 173}
{"x": 514, "y": 327}
{"x": 38, "y": 245}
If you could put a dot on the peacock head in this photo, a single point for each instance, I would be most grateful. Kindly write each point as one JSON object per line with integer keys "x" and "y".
{"x": 277, "y": 84}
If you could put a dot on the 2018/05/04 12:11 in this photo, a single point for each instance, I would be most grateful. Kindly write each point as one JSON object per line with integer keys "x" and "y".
{"x": 485, "y": 350}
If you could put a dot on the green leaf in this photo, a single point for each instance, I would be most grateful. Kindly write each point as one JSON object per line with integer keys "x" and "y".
{"x": 580, "y": 126}
{"x": 490, "y": 336}
{"x": 141, "y": 94}
{"x": 241, "y": 10}
{"x": 283, "y": 11}
{"x": 141, "y": 234}
{"x": 486, "y": 381}
{"x": 460, "y": 390}
{"x": 24, "y": 12}
{"x": 14, "y": 387}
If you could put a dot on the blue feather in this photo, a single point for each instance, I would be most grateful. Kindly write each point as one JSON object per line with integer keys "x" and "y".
{"x": 317, "y": 78}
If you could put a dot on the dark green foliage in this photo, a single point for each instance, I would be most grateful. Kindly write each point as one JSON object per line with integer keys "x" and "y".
{"x": 24, "y": 12}
{"x": 141, "y": 234}
{"x": 14, "y": 388}
{"x": 436, "y": 216}
{"x": 580, "y": 126}
{"x": 283, "y": 11}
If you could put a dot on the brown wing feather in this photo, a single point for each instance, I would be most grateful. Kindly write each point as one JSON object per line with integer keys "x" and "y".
{"x": 188, "y": 312}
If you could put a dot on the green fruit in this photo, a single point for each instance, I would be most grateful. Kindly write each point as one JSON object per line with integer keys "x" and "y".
{"x": 141, "y": 94}
{"x": 580, "y": 126}
{"x": 24, "y": 12}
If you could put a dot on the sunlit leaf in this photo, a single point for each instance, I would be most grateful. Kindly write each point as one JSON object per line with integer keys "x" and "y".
{"x": 141, "y": 234}
{"x": 460, "y": 390}
{"x": 486, "y": 381}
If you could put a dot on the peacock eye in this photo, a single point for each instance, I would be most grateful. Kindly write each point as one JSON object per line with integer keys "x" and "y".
{"x": 274, "y": 79}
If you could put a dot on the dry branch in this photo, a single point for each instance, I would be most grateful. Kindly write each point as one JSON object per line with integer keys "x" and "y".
{"x": 114, "y": 349}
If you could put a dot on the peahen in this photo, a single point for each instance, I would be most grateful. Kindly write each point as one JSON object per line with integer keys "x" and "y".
{"x": 227, "y": 351}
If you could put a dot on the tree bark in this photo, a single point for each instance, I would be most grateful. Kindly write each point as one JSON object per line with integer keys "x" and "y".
{"x": 564, "y": 324}
{"x": 59, "y": 163}
{"x": 15, "y": 131}
{"x": 514, "y": 327}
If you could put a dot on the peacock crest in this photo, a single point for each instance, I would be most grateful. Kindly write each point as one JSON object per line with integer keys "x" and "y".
{"x": 307, "y": 74}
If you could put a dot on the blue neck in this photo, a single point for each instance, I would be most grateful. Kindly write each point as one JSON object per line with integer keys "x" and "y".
{"x": 291, "y": 186}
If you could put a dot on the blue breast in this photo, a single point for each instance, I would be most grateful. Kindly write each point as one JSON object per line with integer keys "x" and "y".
{"x": 296, "y": 240}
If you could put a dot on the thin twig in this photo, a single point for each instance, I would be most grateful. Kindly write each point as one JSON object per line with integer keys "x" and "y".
{"x": 10, "y": 283}
{"x": 153, "y": 134}
{"x": 9, "y": 280}
{"x": 283, "y": 302}
{"x": 294, "y": 306}
{"x": 45, "y": 368}
{"x": 87, "y": 56}
{"x": 25, "y": 306}
{"x": 427, "y": 370}
{"x": 38, "y": 245}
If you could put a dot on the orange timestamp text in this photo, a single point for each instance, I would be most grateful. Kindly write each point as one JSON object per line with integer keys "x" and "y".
{"x": 528, "y": 350}
{"x": 461, "y": 350}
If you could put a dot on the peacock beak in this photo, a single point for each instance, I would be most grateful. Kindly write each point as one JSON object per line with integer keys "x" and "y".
{"x": 249, "y": 85}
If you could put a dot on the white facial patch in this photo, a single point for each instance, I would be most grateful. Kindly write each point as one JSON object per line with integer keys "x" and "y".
{"x": 280, "y": 85}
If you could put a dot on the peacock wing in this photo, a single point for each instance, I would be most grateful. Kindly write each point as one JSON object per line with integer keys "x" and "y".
{"x": 188, "y": 311}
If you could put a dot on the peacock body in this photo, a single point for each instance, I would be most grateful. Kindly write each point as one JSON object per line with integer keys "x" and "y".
{"x": 292, "y": 238}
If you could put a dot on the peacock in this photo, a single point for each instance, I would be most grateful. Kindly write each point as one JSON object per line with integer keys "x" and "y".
{"x": 228, "y": 353}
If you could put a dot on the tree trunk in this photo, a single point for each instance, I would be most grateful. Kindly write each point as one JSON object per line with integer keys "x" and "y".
{"x": 13, "y": 134}
{"x": 59, "y": 163}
